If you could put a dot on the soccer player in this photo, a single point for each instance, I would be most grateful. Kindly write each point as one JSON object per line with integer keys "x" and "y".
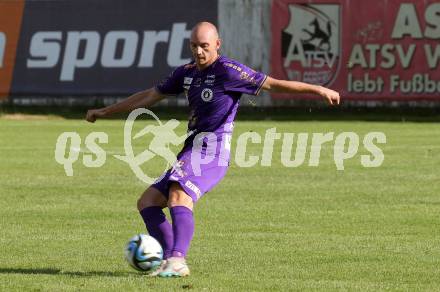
{"x": 213, "y": 85}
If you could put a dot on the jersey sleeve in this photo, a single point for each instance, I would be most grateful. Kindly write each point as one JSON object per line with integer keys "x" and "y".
{"x": 243, "y": 79}
{"x": 172, "y": 85}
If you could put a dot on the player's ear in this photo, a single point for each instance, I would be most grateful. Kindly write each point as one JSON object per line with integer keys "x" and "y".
{"x": 218, "y": 44}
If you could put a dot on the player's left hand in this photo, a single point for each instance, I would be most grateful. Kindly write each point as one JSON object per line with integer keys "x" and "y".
{"x": 331, "y": 96}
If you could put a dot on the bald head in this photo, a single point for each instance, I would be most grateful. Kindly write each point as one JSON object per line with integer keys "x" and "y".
{"x": 205, "y": 28}
{"x": 205, "y": 44}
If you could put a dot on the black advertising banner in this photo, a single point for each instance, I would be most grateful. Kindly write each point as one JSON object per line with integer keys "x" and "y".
{"x": 110, "y": 47}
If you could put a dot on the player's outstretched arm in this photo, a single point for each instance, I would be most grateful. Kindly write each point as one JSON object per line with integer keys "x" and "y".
{"x": 140, "y": 99}
{"x": 284, "y": 86}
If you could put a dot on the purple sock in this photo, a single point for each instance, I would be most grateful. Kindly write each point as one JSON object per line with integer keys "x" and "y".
{"x": 183, "y": 229}
{"x": 159, "y": 228}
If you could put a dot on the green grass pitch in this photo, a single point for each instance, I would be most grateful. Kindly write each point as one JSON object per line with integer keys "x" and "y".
{"x": 261, "y": 229}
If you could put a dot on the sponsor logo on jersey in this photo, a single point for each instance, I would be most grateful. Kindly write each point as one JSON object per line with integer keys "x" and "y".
{"x": 235, "y": 67}
{"x": 193, "y": 188}
{"x": 246, "y": 76}
{"x": 210, "y": 79}
{"x": 198, "y": 82}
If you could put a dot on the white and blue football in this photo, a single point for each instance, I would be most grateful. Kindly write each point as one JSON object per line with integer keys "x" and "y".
{"x": 144, "y": 253}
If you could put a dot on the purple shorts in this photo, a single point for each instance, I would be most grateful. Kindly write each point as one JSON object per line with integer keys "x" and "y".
{"x": 196, "y": 176}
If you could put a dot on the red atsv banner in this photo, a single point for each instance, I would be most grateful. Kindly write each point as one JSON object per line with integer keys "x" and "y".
{"x": 380, "y": 49}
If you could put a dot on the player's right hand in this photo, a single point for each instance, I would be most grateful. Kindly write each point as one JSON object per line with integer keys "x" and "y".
{"x": 93, "y": 114}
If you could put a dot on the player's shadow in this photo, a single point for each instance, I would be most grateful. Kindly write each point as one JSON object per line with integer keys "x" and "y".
{"x": 52, "y": 271}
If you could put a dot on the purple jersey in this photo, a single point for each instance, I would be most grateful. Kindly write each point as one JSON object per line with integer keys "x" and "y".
{"x": 214, "y": 92}
{"x": 213, "y": 96}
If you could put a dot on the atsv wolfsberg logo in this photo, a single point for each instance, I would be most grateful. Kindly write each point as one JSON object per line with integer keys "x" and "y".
{"x": 311, "y": 43}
